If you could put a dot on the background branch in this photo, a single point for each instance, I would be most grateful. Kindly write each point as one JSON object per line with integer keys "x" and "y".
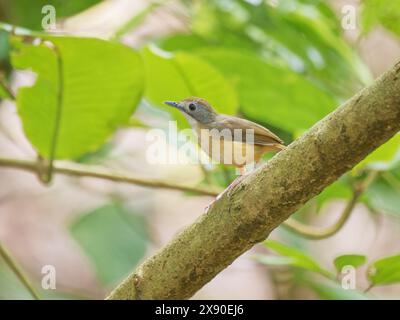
{"x": 13, "y": 265}
{"x": 268, "y": 196}
{"x": 79, "y": 170}
{"x": 318, "y": 233}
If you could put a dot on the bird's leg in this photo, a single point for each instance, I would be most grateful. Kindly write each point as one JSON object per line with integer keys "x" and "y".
{"x": 229, "y": 188}
{"x": 235, "y": 182}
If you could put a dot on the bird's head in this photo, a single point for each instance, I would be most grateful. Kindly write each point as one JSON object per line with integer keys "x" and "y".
{"x": 196, "y": 108}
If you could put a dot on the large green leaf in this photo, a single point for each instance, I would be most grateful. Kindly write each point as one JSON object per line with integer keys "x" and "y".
{"x": 101, "y": 85}
{"x": 298, "y": 258}
{"x": 270, "y": 94}
{"x": 354, "y": 260}
{"x": 183, "y": 75}
{"x": 385, "y": 271}
{"x": 114, "y": 240}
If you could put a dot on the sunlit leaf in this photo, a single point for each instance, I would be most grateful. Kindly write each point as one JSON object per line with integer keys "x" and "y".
{"x": 354, "y": 260}
{"x": 102, "y": 84}
{"x": 385, "y": 271}
{"x": 113, "y": 239}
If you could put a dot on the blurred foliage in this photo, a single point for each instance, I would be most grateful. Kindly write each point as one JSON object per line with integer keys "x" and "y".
{"x": 383, "y": 158}
{"x": 385, "y": 271}
{"x": 340, "y": 189}
{"x": 283, "y": 64}
{"x": 113, "y": 238}
{"x": 383, "y": 196}
{"x": 381, "y": 272}
{"x": 262, "y": 86}
{"x": 354, "y": 260}
{"x": 296, "y": 258}
{"x": 330, "y": 290}
{"x": 28, "y": 13}
{"x": 381, "y": 12}
{"x": 183, "y": 75}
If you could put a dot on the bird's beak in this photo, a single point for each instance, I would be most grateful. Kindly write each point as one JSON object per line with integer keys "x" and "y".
{"x": 174, "y": 104}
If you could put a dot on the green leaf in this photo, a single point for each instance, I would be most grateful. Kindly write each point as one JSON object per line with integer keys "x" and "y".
{"x": 382, "y": 196}
{"x": 114, "y": 240}
{"x": 183, "y": 75}
{"x": 299, "y": 259}
{"x": 354, "y": 260}
{"x": 383, "y": 12}
{"x": 384, "y": 157}
{"x": 270, "y": 94}
{"x": 102, "y": 84}
{"x": 385, "y": 271}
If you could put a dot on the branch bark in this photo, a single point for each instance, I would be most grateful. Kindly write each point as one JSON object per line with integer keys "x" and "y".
{"x": 268, "y": 196}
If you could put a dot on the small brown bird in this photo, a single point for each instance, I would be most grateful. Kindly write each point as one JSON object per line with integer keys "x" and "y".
{"x": 227, "y": 139}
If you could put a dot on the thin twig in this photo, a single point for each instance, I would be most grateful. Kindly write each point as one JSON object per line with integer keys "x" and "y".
{"x": 369, "y": 287}
{"x": 317, "y": 233}
{"x": 45, "y": 165}
{"x": 74, "y": 169}
{"x": 7, "y": 90}
{"x": 18, "y": 272}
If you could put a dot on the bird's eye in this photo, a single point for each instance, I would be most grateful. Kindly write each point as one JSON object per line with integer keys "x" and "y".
{"x": 192, "y": 107}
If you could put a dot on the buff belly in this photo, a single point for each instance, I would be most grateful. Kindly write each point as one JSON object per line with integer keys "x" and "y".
{"x": 230, "y": 152}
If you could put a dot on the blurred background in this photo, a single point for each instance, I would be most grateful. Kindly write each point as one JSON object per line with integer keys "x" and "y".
{"x": 284, "y": 64}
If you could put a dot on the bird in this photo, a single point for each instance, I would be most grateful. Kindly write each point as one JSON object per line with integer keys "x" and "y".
{"x": 227, "y": 139}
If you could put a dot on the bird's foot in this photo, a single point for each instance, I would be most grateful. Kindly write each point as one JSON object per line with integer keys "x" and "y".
{"x": 228, "y": 190}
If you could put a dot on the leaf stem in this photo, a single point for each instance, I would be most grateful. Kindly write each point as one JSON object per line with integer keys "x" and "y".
{"x": 46, "y": 174}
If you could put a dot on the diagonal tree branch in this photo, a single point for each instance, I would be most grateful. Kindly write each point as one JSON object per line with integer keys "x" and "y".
{"x": 268, "y": 196}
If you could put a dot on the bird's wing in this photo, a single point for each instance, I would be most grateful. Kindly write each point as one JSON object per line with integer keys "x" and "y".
{"x": 262, "y": 136}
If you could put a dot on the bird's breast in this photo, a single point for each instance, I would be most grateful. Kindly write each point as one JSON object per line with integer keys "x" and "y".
{"x": 222, "y": 149}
